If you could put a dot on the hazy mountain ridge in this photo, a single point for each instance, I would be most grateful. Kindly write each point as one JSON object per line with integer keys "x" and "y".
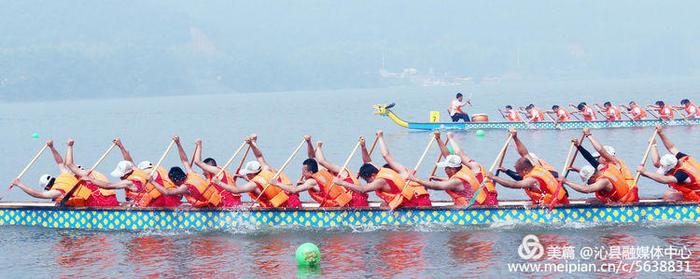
{"x": 56, "y": 49}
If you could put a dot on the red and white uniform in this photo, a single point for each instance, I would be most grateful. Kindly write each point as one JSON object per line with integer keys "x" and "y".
{"x": 456, "y": 107}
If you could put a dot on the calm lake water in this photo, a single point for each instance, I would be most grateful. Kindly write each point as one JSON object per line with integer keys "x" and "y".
{"x": 336, "y": 117}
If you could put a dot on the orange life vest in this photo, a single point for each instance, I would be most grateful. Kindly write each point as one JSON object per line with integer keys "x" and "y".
{"x": 547, "y": 186}
{"x": 513, "y": 116}
{"x": 469, "y": 186}
{"x": 613, "y": 114}
{"x": 690, "y": 191}
{"x": 147, "y": 193}
{"x": 637, "y": 112}
{"x": 273, "y": 196}
{"x": 338, "y": 196}
{"x": 588, "y": 114}
{"x": 488, "y": 188}
{"x": 64, "y": 183}
{"x": 201, "y": 190}
{"x": 665, "y": 113}
{"x": 692, "y": 110}
{"x": 622, "y": 190}
{"x": 536, "y": 115}
{"x": 563, "y": 115}
{"x": 626, "y": 173}
{"x": 396, "y": 183}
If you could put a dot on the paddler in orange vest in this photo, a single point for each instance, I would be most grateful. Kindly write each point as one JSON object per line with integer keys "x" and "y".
{"x": 56, "y": 187}
{"x": 388, "y": 181}
{"x": 209, "y": 169}
{"x": 637, "y": 112}
{"x": 198, "y": 190}
{"x": 512, "y": 115}
{"x": 319, "y": 182}
{"x": 587, "y": 112}
{"x": 139, "y": 192}
{"x": 488, "y": 195}
{"x": 358, "y": 199}
{"x": 665, "y": 111}
{"x": 534, "y": 114}
{"x": 677, "y": 169}
{"x": 691, "y": 110}
{"x": 93, "y": 181}
{"x": 562, "y": 114}
{"x": 611, "y": 112}
{"x": 460, "y": 184}
{"x": 605, "y": 155}
{"x": 538, "y": 183}
{"x": 259, "y": 174}
{"x": 525, "y": 153}
{"x": 607, "y": 183}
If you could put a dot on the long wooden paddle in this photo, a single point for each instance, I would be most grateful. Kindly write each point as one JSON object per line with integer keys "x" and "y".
{"x": 653, "y": 114}
{"x": 503, "y": 114}
{"x": 568, "y": 170}
{"x": 500, "y": 162}
{"x": 556, "y": 123}
{"x": 501, "y": 154}
{"x": 400, "y": 196}
{"x": 646, "y": 156}
{"x": 527, "y": 122}
{"x": 342, "y": 169}
{"x": 26, "y": 168}
{"x": 223, "y": 168}
{"x": 99, "y": 161}
{"x": 279, "y": 171}
{"x": 683, "y": 115}
{"x": 561, "y": 180}
{"x": 240, "y": 165}
{"x": 628, "y": 116}
{"x": 432, "y": 172}
{"x": 575, "y": 112}
{"x": 160, "y": 161}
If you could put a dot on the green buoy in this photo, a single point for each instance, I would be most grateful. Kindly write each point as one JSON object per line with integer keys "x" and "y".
{"x": 35, "y": 135}
{"x": 480, "y": 133}
{"x": 308, "y": 254}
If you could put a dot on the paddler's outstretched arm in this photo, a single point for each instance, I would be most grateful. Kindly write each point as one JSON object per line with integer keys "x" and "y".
{"x": 441, "y": 144}
{"x": 252, "y": 141}
{"x": 398, "y": 167}
{"x": 591, "y": 188}
{"x": 183, "y": 156}
{"x": 57, "y": 157}
{"x": 525, "y": 183}
{"x": 180, "y": 190}
{"x": 125, "y": 153}
{"x": 234, "y": 188}
{"x": 660, "y": 178}
{"x": 457, "y": 149}
{"x": 448, "y": 184}
{"x": 377, "y": 184}
{"x": 321, "y": 159}
{"x": 366, "y": 158}
{"x": 655, "y": 157}
{"x": 667, "y": 142}
{"x": 308, "y": 184}
{"x": 70, "y": 163}
{"x": 598, "y": 147}
{"x": 310, "y": 152}
{"x": 198, "y": 159}
{"x": 50, "y": 194}
{"x": 522, "y": 150}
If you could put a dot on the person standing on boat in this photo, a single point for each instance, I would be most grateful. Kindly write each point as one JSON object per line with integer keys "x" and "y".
{"x": 209, "y": 170}
{"x": 691, "y": 110}
{"x": 677, "y": 169}
{"x": 259, "y": 174}
{"x": 455, "y": 109}
{"x": 561, "y": 114}
{"x": 196, "y": 189}
{"x": 512, "y": 115}
{"x": 462, "y": 181}
{"x": 665, "y": 111}
{"x": 55, "y": 188}
{"x": 134, "y": 180}
{"x": 388, "y": 181}
{"x": 637, "y": 112}
{"x": 319, "y": 182}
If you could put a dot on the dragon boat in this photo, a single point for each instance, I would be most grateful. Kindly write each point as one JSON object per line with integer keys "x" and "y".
{"x": 311, "y": 216}
{"x": 385, "y": 110}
